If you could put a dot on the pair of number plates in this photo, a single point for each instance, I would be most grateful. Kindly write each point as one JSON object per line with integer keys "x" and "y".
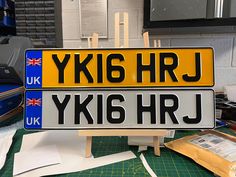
{"x": 119, "y": 88}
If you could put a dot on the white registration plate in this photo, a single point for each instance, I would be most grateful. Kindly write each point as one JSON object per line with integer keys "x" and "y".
{"x": 119, "y": 108}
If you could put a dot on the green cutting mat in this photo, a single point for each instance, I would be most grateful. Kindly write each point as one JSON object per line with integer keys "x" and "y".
{"x": 169, "y": 164}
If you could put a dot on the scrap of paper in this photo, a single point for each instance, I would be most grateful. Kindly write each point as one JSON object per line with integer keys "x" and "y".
{"x": 5, "y": 144}
{"x": 148, "y": 140}
{"x": 148, "y": 168}
{"x": 106, "y": 160}
{"x": 70, "y": 146}
{"x": 6, "y": 136}
{"x": 35, "y": 158}
{"x": 72, "y": 150}
{"x": 142, "y": 148}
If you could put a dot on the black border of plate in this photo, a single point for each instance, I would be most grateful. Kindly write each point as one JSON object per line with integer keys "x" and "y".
{"x": 125, "y": 128}
{"x": 86, "y": 87}
{"x": 148, "y": 24}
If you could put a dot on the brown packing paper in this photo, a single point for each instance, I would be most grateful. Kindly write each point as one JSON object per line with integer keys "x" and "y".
{"x": 205, "y": 157}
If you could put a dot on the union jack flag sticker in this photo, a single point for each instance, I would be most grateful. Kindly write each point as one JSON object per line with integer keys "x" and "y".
{"x": 33, "y": 69}
{"x": 34, "y": 61}
{"x": 33, "y": 102}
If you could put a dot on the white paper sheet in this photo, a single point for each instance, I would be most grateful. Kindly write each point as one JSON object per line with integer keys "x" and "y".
{"x": 142, "y": 148}
{"x": 5, "y": 144}
{"x": 6, "y": 135}
{"x": 35, "y": 158}
{"x": 105, "y": 160}
{"x": 70, "y": 146}
{"x": 148, "y": 140}
{"x": 140, "y": 141}
{"x": 72, "y": 151}
{"x": 148, "y": 168}
{"x": 66, "y": 141}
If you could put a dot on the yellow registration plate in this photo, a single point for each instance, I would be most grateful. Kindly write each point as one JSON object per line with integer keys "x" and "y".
{"x": 172, "y": 67}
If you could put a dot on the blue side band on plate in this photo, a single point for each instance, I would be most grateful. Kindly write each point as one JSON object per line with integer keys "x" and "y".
{"x": 33, "y": 110}
{"x": 33, "y": 69}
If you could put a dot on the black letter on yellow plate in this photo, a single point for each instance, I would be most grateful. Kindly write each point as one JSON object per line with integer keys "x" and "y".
{"x": 81, "y": 67}
{"x": 111, "y": 68}
{"x": 170, "y": 68}
{"x": 197, "y": 69}
{"x": 141, "y": 68}
{"x": 61, "y": 66}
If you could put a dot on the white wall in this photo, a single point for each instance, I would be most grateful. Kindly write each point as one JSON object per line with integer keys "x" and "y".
{"x": 223, "y": 44}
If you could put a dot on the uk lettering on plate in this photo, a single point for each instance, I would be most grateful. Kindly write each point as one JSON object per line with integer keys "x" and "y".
{"x": 122, "y": 109}
{"x": 170, "y": 67}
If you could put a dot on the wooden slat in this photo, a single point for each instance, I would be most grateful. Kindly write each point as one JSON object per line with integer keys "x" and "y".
{"x": 126, "y": 30}
{"x": 95, "y": 40}
{"x": 146, "y": 40}
{"x": 155, "y": 43}
{"x": 117, "y": 30}
{"x": 159, "y": 43}
{"x": 123, "y": 132}
{"x": 88, "y": 152}
{"x": 89, "y": 42}
{"x": 156, "y": 145}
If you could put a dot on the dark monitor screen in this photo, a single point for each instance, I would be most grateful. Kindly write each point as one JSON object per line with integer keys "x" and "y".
{"x": 189, "y": 13}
